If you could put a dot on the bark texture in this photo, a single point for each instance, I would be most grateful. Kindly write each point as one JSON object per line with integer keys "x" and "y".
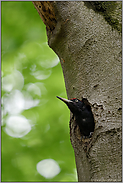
{"x": 88, "y": 42}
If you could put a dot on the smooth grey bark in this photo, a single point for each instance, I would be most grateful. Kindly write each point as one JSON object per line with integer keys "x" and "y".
{"x": 89, "y": 47}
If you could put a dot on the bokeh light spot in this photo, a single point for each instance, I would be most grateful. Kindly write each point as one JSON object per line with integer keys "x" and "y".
{"x": 48, "y": 168}
{"x": 17, "y": 126}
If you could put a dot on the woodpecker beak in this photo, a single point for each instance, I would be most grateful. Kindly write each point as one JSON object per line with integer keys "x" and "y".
{"x": 71, "y": 105}
{"x": 66, "y": 101}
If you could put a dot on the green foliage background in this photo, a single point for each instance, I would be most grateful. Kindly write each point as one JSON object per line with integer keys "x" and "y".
{"x": 25, "y": 49}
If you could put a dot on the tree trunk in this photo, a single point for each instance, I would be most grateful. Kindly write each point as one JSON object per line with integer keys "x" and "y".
{"x": 87, "y": 38}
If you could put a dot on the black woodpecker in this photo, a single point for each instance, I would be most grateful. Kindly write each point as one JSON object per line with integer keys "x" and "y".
{"x": 83, "y": 115}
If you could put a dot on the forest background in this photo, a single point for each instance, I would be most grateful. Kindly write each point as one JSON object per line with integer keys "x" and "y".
{"x": 35, "y": 124}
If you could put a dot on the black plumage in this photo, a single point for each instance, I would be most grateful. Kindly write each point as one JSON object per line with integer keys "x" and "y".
{"x": 83, "y": 115}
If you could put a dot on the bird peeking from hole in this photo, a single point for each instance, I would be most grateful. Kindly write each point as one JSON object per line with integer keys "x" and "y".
{"x": 83, "y": 115}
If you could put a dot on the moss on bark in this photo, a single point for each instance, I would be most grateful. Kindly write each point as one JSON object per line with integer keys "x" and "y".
{"x": 107, "y": 9}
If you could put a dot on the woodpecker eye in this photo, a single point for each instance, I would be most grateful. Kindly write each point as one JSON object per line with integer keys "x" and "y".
{"x": 76, "y": 100}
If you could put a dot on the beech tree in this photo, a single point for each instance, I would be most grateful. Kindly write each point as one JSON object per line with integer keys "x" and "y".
{"x": 87, "y": 38}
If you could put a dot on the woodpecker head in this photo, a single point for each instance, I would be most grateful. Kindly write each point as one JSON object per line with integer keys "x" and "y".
{"x": 75, "y": 105}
